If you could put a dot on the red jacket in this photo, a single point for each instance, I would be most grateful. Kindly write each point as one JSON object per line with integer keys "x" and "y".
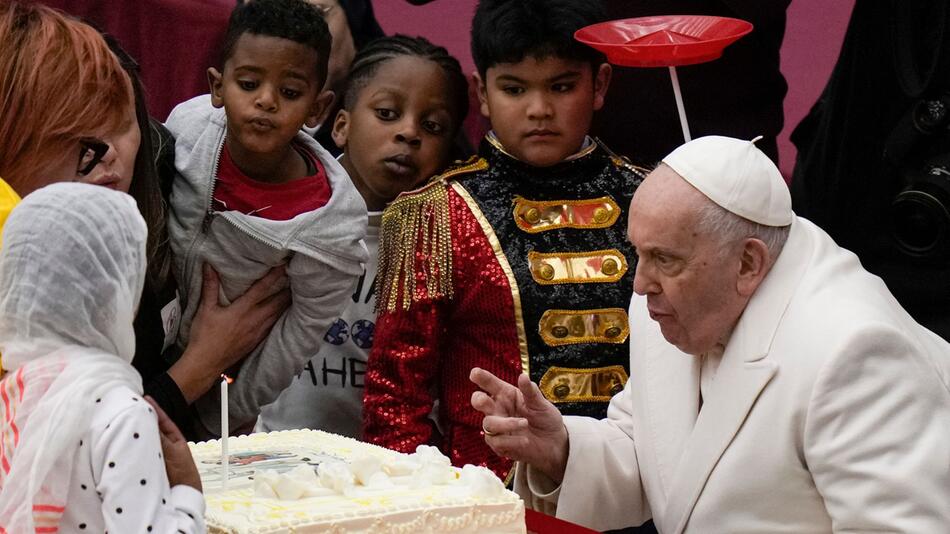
{"x": 461, "y": 286}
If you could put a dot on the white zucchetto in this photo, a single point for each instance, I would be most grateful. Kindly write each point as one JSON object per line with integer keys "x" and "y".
{"x": 737, "y": 176}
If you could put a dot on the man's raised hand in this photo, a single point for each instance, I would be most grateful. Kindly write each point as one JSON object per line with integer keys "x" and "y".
{"x": 520, "y": 423}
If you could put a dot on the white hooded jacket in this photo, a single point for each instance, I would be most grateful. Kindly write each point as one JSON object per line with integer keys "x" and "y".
{"x": 323, "y": 250}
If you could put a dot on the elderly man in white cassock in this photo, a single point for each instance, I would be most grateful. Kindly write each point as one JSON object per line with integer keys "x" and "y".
{"x": 775, "y": 385}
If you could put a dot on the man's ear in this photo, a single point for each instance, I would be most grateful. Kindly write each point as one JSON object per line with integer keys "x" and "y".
{"x": 319, "y": 108}
{"x": 214, "y": 85}
{"x": 601, "y": 83}
{"x": 482, "y": 92}
{"x": 341, "y": 128}
{"x": 754, "y": 263}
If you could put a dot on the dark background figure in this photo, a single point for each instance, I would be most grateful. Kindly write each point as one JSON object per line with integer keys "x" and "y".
{"x": 739, "y": 95}
{"x": 353, "y": 25}
{"x": 880, "y": 128}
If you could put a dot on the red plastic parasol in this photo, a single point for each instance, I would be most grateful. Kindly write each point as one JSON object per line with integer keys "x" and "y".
{"x": 664, "y": 41}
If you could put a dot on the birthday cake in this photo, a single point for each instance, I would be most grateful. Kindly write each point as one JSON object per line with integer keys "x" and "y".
{"x": 302, "y": 481}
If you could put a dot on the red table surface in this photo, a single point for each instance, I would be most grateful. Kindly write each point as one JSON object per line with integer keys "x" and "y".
{"x": 539, "y": 523}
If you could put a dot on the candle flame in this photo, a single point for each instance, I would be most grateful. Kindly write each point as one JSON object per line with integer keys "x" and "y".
{"x": 227, "y": 378}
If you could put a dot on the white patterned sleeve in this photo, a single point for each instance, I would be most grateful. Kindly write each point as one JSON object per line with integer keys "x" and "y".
{"x": 130, "y": 476}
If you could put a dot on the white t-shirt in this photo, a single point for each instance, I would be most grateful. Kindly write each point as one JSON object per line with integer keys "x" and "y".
{"x": 328, "y": 394}
{"x": 119, "y": 482}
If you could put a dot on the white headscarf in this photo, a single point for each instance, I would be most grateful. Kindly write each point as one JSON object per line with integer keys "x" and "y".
{"x": 72, "y": 269}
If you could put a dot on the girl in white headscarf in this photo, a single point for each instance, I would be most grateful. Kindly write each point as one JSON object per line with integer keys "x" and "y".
{"x": 80, "y": 449}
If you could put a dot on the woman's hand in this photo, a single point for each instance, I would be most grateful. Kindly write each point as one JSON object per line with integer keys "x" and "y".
{"x": 179, "y": 465}
{"x": 221, "y": 336}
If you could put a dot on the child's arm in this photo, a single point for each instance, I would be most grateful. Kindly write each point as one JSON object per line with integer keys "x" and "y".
{"x": 319, "y": 293}
{"x": 401, "y": 373}
{"x": 131, "y": 479}
{"x": 414, "y": 298}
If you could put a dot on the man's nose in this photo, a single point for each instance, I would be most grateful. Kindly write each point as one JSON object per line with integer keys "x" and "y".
{"x": 643, "y": 284}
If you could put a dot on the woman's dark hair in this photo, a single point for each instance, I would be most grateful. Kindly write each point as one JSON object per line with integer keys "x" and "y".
{"x": 508, "y": 31}
{"x": 146, "y": 186}
{"x": 294, "y": 20}
{"x": 378, "y": 52}
{"x": 364, "y": 27}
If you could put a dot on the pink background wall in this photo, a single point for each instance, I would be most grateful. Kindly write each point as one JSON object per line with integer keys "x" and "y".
{"x": 149, "y": 28}
{"x": 812, "y": 41}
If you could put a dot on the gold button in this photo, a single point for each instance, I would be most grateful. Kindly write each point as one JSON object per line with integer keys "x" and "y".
{"x": 559, "y": 331}
{"x": 545, "y": 271}
{"x": 601, "y": 215}
{"x": 617, "y": 387}
{"x": 609, "y": 267}
{"x": 532, "y": 215}
{"x": 613, "y": 331}
{"x": 561, "y": 390}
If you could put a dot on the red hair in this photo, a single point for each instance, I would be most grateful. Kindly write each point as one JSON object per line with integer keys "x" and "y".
{"x": 58, "y": 83}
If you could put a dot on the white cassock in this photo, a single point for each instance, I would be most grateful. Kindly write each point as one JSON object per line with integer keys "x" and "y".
{"x": 830, "y": 411}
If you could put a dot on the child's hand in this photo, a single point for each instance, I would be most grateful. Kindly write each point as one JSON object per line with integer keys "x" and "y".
{"x": 179, "y": 464}
{"x": 222, "y": 336}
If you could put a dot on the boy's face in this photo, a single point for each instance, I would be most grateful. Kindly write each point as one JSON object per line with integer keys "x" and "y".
{"x": 269, "y": 89}
{"x": 541, "y": 109}
{"x": 399, "y": 131}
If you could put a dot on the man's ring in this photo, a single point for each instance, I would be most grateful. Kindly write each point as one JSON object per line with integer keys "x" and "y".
{"x": 488, "y": 433}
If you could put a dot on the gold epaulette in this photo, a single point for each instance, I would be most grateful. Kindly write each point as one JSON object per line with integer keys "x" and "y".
{"x": 418, "y": 222}
{"x": 623, "y": 161}
{"x": 472, "y": 164}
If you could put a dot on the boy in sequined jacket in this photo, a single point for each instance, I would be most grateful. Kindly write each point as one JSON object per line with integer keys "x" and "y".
{"x": 516, "y": 260}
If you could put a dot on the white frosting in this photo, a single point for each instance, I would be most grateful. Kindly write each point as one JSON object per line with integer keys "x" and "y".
{"x": 336, "y": 475}
{"x": 355, "y": 488}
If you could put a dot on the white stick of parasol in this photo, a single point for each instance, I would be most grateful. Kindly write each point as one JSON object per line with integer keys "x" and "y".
{"x": 679, "y": 105}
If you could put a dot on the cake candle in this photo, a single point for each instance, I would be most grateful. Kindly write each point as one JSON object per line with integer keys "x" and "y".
{"x": 225, "y": 460}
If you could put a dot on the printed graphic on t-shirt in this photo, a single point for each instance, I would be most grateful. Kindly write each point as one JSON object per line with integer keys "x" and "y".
{"x": 361, "y": 333}
{"x": 345, "y": 368}
{"x": 335, "y": 371}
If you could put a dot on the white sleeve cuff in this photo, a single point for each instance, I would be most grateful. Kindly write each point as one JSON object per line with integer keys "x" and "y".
{"x": 191, "y": 502}
{"x": 541, "y": 486}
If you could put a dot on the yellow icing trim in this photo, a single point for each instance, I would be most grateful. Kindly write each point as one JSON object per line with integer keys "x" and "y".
{"x": 598, "y": 384}
{"x": 597, "y": 266}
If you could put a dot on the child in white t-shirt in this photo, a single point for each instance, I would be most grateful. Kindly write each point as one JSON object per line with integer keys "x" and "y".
{"x": 404, "y": 102}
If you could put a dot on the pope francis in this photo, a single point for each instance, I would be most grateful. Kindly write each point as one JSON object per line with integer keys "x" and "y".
{"x": 775, "y": 385}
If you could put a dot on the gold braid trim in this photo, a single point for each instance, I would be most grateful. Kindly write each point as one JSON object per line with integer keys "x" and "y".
{"x": 623, "y": 161}
{"x": 418, "y": 224}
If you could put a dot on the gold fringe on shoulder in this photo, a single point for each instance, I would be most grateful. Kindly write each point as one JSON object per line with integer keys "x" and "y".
{"x": 418, "y": 225}
{"x": 623, "y": 161}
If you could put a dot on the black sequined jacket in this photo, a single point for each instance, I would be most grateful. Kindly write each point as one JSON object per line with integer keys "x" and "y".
{"x": 508, "y": 267}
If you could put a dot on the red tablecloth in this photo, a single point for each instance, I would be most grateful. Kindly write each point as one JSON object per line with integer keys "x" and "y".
{"x": 174, "y": 41}
{"x": 544, "y": 524}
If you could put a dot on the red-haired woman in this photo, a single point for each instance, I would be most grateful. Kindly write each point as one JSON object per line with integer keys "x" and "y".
{"x": 71, "y": 110}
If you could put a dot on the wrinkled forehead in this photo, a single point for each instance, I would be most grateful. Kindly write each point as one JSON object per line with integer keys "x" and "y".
{"x": 666, "y": 195}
